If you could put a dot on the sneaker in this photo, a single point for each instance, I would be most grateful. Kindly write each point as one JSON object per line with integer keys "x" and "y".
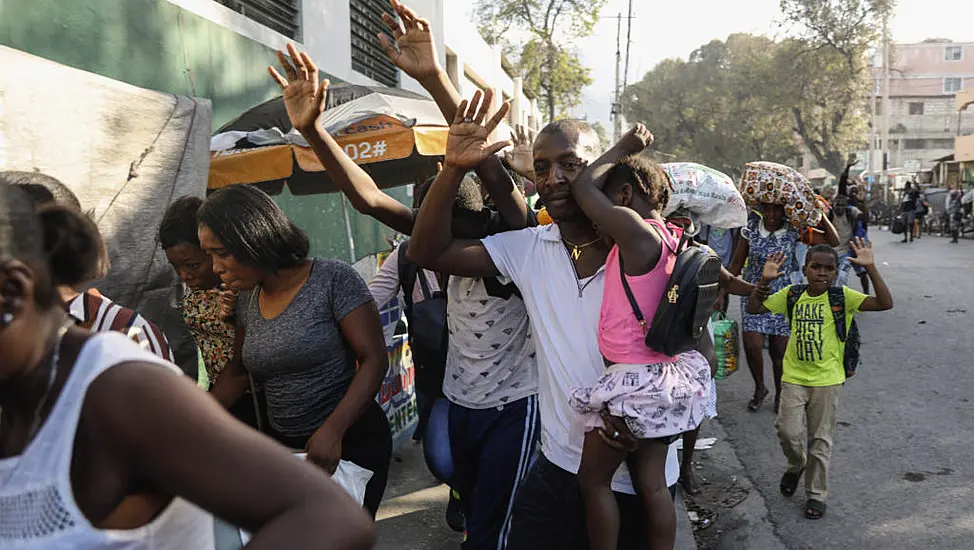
{"x": 454, "y": 516}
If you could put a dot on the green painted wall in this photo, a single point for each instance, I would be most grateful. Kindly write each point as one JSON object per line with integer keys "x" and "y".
{"x": 157, "y": 45}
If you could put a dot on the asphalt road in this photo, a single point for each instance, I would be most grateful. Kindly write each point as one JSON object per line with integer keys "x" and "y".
{"x": 902, "y": 474}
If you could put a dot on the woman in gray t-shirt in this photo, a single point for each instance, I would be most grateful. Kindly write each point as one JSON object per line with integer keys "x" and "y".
{"x": 308, "y": 331}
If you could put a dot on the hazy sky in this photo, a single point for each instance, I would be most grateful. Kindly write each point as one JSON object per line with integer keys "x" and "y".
{"x": 671, "y": 28}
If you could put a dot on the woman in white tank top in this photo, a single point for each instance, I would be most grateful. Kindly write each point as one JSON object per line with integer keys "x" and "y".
{"x": 103, "y": 445}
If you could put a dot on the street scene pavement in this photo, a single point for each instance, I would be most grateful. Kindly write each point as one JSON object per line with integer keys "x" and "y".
{"x": 901, "y": 473}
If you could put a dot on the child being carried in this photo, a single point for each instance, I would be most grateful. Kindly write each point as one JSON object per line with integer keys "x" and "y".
{"x": 657, "y": 396}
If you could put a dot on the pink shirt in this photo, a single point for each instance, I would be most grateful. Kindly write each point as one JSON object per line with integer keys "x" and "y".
{"x": 621, "y": 338}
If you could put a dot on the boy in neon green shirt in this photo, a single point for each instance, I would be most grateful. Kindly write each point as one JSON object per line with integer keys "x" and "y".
{"x": 814, "y": 366}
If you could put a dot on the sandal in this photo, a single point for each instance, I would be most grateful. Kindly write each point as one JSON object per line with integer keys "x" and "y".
{"x": 789, "y": 482}
{"x": 755, "y": 403}
{"x": 814, "y": 509}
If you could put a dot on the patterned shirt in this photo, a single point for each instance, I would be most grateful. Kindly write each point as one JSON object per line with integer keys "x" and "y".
{"x": 96, "y": 313}
{"x": 213, "y": 335}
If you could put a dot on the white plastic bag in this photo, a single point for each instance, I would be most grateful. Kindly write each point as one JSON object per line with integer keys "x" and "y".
{"x": 710, "y": 196}
{"x": 350, "y": 476}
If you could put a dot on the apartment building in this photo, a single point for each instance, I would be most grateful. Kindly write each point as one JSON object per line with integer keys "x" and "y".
{"x": 924, "y": 121}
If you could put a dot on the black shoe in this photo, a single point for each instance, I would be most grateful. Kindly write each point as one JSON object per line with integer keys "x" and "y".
{"x": 904, "y": 240}
{"x": 454, "y": 517}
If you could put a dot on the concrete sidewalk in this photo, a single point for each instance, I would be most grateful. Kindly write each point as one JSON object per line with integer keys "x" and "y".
{"x": 413, "y": 510}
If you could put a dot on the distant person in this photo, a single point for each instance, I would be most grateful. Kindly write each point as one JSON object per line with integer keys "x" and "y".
{"x": 908, "y": 209}
{"x": 955, "y": 212}
{"x": 815, "y": 362}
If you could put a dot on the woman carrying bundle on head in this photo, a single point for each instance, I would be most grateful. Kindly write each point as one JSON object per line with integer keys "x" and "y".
{"x": 785, "y": 205}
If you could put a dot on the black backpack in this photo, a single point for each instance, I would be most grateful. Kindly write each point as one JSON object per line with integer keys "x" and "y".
{"x": 683, "y": 312}
{"x": 427, "y": 319}
{"x": 850, "y": 336}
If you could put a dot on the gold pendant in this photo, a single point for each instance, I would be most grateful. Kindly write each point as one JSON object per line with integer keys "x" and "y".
{"x": 576, "y": 253}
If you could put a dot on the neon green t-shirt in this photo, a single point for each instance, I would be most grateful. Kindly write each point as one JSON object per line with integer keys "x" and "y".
{"x": 815, "y": 354}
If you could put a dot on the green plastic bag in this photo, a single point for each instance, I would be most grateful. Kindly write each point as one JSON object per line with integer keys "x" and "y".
{"x": 727, "y": 343}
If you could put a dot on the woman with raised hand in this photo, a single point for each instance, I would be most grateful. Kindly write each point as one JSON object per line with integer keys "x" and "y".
{"x": 104, "y": 445}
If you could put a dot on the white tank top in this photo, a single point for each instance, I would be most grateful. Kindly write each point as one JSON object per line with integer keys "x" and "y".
{"x": 37, "y": 506}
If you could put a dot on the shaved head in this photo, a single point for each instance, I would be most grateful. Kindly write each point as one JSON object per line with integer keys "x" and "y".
{"x": 578, "y": 131}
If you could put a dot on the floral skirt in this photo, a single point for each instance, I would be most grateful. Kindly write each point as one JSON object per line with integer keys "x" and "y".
{"x": 656, "y": 401}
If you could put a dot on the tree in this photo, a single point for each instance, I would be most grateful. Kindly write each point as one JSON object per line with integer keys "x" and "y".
{"x": 603, "y": 136}
{"x": 711, "y": 109}
{"x": 828, "y": 73}
{"x": 544, "y": 58}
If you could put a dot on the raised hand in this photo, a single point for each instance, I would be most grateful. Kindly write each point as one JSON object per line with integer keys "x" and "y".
{"x": 411, "y": 47}
{"x": 773, "y": 267}
{"x": 466, "y": 145}
{"x": 864, "y": 252}
{"x": 303, "y": 96}
{"x": 635, "y": 140}
{"x": 522, "y": 158}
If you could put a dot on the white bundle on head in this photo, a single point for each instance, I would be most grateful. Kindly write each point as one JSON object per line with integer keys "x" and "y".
{"x": 710, "y": 197}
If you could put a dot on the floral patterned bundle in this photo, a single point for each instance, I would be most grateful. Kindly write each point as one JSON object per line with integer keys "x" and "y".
{"x": 769, "y": 182}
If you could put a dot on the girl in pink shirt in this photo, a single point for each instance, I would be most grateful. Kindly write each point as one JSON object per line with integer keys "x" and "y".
{"x": 657, "y": 396}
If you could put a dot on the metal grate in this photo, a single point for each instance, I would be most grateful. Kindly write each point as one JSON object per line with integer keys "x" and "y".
{"x": 282, "y": 16}
{"x": 367, "y": 56}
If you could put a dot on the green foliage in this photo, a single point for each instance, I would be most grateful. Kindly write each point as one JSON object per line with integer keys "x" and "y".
{"x": 548, "y": 63}
{"x": 603, "y": 135}
{"x": 747, "y": 98}
{"x": 710, "y": 109}
{"x": 556, "y": 73}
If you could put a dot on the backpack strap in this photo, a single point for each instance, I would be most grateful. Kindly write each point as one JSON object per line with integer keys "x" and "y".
{"x": 407, "y": 278}
{"x": 629, "y": 295}
{"x": 794, "y": 294}
{"x": 625, "y": 284}
{"x": 837, "y": 305}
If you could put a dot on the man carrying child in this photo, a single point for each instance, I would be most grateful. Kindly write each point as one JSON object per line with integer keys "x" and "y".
{"x": 816, "y": 362}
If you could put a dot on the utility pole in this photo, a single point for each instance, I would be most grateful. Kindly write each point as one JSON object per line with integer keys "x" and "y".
{"x": 886, "y": 155}
{"x": 625, "y": 73}
{"x": 617, "y": 100}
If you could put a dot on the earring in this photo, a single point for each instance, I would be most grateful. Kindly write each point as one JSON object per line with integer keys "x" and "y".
{"x": 6, "y": 319}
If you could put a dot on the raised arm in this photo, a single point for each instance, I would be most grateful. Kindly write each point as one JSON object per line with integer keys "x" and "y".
{"x": 637, "y": 242}
{"x": 433, "y": 245}
{"x": 304, "y": 98}
{"x": 883, "y": 300}
{"x": 413, "y": 49}
{"x": 772, "y": 270}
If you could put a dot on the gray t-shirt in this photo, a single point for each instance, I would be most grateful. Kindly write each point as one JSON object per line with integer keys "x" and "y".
{"x": 300, "y": 356}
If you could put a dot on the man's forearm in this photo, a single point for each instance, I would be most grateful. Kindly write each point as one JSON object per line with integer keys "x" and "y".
{"x": 733, "y": 284}
{"x": 433, "y": 230}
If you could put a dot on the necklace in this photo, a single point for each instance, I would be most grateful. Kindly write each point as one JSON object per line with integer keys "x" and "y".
{"x": 55, "y": 357}
{"x": 577, "y": 249}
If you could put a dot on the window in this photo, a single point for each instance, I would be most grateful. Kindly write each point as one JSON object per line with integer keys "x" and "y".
{"x": 367, "y": 56}
{"x": 952, "y": 85}
{"x": 916, "y": 108}
{"x": 914, "y": 144}
{"x": 953, "y": 53}
{"x": 940, "y": 143}
{"x": 279, "y": 15}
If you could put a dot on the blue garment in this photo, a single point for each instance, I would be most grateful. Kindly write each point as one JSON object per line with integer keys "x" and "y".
{"x": 493, "y": 450}
{"x": 721, "y": 241}
{"x": 760, "y": 248}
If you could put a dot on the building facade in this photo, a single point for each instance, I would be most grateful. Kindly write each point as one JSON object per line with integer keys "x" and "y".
{"x": 220, "y": 50}
{"x": 923, "y": 117}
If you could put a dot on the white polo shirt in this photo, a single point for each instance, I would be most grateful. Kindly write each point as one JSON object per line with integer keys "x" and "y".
{"x": 564, "y": 313}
